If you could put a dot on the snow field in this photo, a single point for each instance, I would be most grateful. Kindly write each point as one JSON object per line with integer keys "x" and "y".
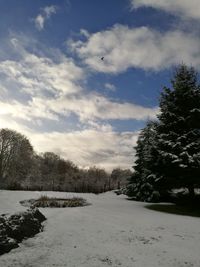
{"x": 111, "y": 232}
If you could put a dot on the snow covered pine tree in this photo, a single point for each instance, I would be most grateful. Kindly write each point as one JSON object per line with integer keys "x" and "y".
{"x": 168, "y": 151}
{"x": 141, "y": 184}
{"x": 178, "y": 144}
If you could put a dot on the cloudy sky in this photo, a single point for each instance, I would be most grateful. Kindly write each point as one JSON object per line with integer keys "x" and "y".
{"x": 55, "y": 89}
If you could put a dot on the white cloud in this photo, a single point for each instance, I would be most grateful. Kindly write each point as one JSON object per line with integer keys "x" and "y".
{"x": 110, "y": 86}
{"x": 38, "y": 75}
{"x": 190, "y": 9}
{"x": 102, "y": 147}
{"x": 84, "y": 32}
{"x": 39, "y": 22}
{"x": 27, "y": 111}
{"x": 124, "y": 47}
{"x": 38, "y": 90}
{"x": 92, "y": 107}
{"x": 45, "y": 14}
{"x": 49, "y": 10}
{"x": 54, "y": 88}
{"x": 89, "y": 147}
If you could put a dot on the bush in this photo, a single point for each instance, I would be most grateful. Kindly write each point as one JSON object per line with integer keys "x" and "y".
{"x": 19, "y": 226}
{"x": 48, "y": 202}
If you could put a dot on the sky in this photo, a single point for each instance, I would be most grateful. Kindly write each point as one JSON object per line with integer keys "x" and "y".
{"x": 56, "y": 89}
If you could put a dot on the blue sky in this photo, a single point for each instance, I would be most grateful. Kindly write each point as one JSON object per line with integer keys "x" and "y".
{"x": 55, "y": 88}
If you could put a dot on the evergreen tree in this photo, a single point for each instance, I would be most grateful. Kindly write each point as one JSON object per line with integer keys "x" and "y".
{"x": 178, "y": 144}
{"x": 141, "y": 184}
{"x": 168, "y": 151}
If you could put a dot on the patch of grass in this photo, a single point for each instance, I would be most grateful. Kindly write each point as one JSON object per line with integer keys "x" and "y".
{"x": 187, "y": 210}
{"x": 52, "y": 202}
{"x": 45, "y": 201}
{"x": 43, "y": 198}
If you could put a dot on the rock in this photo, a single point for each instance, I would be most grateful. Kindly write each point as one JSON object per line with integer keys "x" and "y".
{"x": 15, "y": 228}
{"x": 6, "y": 244}
{"x": 38, "y": 215}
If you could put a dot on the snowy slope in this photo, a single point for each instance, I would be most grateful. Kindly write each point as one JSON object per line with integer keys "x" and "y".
{"x": 111, "y": 232}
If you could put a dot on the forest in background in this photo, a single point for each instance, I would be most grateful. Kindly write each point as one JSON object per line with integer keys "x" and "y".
{"x": 21, "y": 168}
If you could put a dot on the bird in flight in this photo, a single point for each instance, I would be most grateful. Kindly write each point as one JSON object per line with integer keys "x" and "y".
{"x": 102, "y": 58}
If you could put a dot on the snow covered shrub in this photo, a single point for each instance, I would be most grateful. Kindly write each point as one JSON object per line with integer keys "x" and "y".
{"x": 121, "y": 191}
{"x": 18, "y": 226}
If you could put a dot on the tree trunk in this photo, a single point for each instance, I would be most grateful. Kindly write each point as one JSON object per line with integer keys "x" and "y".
{"x": 118, "y": 185}
{"x": 191, "y": 191}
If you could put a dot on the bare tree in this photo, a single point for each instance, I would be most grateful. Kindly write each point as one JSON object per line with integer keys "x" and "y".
{"x": 15, "y": 154}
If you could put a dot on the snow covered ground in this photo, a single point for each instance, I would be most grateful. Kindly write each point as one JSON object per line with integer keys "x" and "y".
{"x": 111, "y": 232}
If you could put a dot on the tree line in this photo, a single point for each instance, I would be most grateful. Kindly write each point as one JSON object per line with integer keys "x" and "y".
{"x": 168, "y": 149}
{"x": 22, "y": 168}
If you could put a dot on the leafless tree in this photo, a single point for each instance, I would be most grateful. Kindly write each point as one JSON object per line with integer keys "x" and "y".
{"x": 15, "y": 154}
